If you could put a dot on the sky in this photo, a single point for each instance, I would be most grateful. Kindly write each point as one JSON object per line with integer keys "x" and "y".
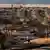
{"x": 25, "y": 1}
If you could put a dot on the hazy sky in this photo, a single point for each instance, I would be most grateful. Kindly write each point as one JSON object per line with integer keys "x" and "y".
{"x": 25, "y": 1}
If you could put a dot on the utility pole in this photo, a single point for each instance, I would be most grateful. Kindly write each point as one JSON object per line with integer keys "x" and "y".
{"x": 13, "y": 16}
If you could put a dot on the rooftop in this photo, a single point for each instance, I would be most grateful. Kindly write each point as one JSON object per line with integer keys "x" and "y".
{"x": 24, "y": 5}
